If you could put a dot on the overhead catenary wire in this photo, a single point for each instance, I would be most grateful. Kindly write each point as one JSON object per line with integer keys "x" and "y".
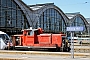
{"x": 75, "y": 4}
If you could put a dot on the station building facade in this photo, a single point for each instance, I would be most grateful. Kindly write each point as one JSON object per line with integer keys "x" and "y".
{"x": 76, "y": 19}
{"x": 12, "y": 17}
{"x": 15, "y": 15}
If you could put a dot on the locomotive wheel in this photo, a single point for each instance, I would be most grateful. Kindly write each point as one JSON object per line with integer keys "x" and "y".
{"x": 57, "y": 49}
{"x": 68, "y": 49}
{"x": 5, "y": 48}
{"x": 61, "y": 49}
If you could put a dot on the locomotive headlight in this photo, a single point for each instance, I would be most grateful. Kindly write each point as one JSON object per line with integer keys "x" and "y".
{"x": 9, "y": 44}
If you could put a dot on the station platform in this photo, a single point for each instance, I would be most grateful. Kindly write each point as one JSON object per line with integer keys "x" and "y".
{"x": 44, "y": 53}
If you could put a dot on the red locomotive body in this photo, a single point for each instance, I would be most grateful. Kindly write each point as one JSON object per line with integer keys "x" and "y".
{"x": 35, "y": 38}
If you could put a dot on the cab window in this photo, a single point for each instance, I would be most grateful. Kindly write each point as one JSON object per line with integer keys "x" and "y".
{"x": 4, "y": 36}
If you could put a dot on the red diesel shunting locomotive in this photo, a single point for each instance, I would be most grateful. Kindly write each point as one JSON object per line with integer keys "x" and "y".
{"x": 35, "y": 38}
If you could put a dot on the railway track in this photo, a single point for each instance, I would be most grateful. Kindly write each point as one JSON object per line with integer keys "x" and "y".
{"x": 82, "y": 48}
{"x": 78, "y": 49}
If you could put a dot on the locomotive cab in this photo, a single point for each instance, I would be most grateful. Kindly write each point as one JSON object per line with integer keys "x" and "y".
{"x": 32, "y": 32}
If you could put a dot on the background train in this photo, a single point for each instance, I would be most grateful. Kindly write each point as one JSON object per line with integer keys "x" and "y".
{"x": 5, "y": 41}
